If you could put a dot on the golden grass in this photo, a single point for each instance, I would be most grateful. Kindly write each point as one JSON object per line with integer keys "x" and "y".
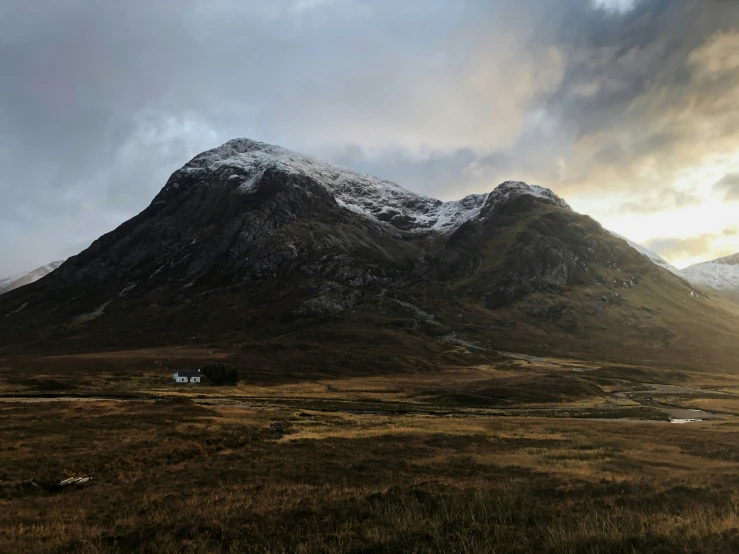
{"x": 337, "y": 465}
{"x": 178, "y": 477}
{"x": 723, "y": 405}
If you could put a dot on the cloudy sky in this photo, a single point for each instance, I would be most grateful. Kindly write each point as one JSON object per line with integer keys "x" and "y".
{"x": 627, "y": 108}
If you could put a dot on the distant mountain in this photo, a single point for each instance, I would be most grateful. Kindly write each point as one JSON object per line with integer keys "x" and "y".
{"x": 721, "y": 274}
{"x": 16, "y": 281}
{"x": 298, "y": 265}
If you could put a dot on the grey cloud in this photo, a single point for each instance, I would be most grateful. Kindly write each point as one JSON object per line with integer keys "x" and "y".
{"x": 728, "y": 186}
{"x": 648, "y": 113}
{"x": 100, "y": 101}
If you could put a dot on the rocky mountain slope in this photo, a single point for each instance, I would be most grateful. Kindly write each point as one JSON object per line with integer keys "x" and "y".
{"x": 16, "y": 281}
{"x": 298, "y": 264}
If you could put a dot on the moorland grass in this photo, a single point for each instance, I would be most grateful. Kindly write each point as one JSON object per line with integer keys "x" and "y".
{"x": 176, "y": 476}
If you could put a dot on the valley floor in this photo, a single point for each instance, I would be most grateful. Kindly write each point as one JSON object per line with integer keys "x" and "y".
{"x": 481, "y": 459}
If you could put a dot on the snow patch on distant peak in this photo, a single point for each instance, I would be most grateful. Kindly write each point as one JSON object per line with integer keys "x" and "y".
{"x": 16, "y": 281}
{"x": 728, "y": 260}
{"x": 721, "y": 274}
{"x": 6, "y": 281}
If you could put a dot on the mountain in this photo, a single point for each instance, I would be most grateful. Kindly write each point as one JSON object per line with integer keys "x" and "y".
{"x": 297, "y": 265}
{"x": 721, "y": 274}
{"x": 16, "y": 281}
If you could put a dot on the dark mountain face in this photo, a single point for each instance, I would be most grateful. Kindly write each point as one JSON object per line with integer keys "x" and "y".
{"x": 203, "y": 224}
{"x": 258, "y": 248}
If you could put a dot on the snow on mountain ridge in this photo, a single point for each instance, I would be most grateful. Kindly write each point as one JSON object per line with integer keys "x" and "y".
{"x": 5, "y": 281}
{"x": 364, "y": 194}
{"x": 16, "y": 281}
{"x": 727, "y": 260}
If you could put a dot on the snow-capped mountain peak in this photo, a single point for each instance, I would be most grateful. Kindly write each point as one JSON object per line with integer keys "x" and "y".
{"x": 721, "y": 274}
{"x": 245, "y": 160}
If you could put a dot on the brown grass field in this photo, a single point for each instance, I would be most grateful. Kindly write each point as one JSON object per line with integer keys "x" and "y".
{"x": 518, "y": 456}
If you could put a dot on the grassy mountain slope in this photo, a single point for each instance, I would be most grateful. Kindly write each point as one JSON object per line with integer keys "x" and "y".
{"x": 546, "y": 280}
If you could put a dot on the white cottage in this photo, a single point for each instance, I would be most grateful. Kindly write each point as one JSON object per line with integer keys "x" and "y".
{"x": 187, "y": 376}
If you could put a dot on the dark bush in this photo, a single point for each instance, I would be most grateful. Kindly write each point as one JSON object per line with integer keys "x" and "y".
{"x": 220, "y": 375}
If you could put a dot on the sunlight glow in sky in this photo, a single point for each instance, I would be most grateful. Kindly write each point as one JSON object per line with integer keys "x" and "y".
{"x": 711, "y": 226}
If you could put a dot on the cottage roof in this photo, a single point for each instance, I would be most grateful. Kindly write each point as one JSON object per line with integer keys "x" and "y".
{"x": 188, "y": 373}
